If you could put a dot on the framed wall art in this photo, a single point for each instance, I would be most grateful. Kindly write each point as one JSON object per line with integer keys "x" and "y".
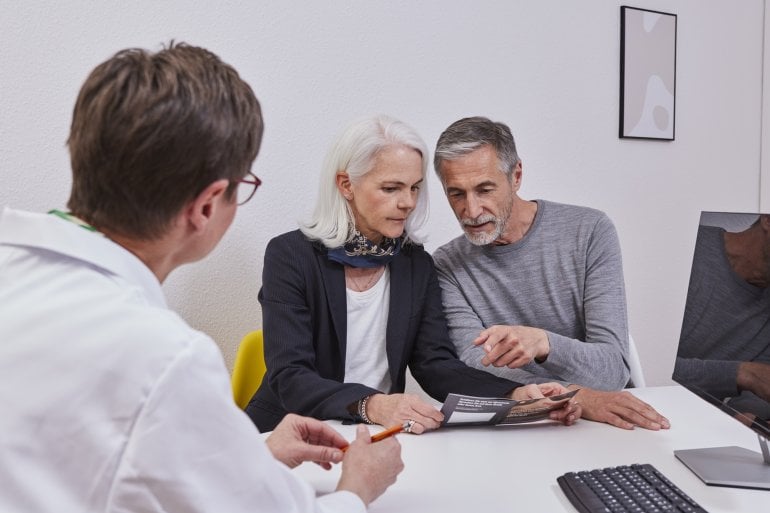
{"x": 647, "y": 74}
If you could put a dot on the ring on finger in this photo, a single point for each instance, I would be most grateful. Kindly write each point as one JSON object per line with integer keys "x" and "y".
{"x": 408, "y": 425}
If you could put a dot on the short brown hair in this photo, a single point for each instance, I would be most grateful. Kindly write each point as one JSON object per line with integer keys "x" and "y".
{"x": 150, "y": 131}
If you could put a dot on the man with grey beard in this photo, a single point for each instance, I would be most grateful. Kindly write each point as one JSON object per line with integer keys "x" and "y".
{"x": 533, "y": 291}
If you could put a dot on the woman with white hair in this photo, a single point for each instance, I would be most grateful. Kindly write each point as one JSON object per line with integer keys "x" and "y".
{"x": 351, "y": 299}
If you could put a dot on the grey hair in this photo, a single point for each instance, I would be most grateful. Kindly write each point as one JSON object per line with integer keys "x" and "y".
{"x": 354, "y": 152}
{"x": 469, "y": 134}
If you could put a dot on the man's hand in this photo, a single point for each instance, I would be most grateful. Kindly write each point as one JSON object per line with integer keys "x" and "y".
{"x": 513, "y": 346}
{"x": 370, "y": 468}
{"x": 620, "y": 409}
{"x": 297, "y": 439}
{"x": 754, "y": 377}
{"x": 392, "y": 409}
{"x": 567, "y": 414}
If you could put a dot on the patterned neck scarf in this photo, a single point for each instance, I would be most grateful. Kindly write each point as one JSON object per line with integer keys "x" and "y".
{"x": 361, "y": 252}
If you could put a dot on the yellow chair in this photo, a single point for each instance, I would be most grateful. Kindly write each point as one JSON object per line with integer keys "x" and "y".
{"x": 249, "y": 368}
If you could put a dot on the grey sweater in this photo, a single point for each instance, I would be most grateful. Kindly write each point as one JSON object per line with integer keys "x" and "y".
{"x": 564, "y": 276}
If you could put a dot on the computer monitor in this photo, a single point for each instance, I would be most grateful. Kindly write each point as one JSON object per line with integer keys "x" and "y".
{"x": 724, "y": 346}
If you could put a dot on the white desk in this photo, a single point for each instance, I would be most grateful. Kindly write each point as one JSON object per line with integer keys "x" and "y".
{"x": 467, "y": 469}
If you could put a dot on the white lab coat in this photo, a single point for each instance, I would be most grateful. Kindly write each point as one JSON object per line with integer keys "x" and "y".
{"x": 111, "y": 402}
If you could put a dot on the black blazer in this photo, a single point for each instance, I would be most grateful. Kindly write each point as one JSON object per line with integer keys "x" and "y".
{"x": 304, "y": 315}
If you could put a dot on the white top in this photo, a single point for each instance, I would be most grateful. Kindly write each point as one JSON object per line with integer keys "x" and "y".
{"x": 109, "y": 401}
{"x": 365, "y": 359}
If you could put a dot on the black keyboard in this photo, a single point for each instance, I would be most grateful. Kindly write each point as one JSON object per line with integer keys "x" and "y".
{"x": 637, "y": 488}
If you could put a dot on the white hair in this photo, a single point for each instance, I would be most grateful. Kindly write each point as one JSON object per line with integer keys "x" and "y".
{"x": 354, "y": 152}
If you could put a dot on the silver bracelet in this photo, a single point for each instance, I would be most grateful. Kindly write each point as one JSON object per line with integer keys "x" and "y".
{"x": 362, "y": 410}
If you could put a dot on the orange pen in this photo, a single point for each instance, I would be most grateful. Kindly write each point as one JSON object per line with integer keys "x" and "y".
{"x": 384, "y": 434}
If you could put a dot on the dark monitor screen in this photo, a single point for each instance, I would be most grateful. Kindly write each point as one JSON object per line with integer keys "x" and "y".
{"x": 724, "y": 346}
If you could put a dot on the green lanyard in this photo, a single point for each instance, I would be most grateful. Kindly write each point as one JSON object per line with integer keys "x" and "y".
{"x": 72, "y": 219}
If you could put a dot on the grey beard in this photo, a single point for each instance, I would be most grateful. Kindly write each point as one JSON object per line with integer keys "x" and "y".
{"x": 482, "y": 239}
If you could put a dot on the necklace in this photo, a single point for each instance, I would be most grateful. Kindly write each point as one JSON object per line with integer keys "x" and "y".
{"x": 361, "y": 285}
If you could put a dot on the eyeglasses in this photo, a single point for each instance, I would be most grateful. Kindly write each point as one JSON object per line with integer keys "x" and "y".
{"x": 247, "y": 187}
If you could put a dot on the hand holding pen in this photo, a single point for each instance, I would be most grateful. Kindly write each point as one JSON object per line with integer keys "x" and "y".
{"x": 369, "y": 466}
{"x": 387, "y": 433}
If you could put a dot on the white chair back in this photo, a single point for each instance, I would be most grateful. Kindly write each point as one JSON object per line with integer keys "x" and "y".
{"x": 637, "y": 376}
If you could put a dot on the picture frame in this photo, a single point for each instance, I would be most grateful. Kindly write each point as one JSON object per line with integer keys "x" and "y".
{"x": 647, "y": 74}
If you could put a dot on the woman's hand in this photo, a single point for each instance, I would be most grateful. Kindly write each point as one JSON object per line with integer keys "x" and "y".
{"x": 394, "y": 409}
{"x": 537, "y": 391}
{"x": 567, "y": 414}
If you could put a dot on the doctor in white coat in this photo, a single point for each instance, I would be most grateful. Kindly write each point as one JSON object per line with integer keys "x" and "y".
{"x": 110, "y": 401}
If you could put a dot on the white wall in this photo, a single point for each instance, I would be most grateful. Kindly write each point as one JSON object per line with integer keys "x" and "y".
{"x": 764, "y": 182}
{"x": 548, "y": 68}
